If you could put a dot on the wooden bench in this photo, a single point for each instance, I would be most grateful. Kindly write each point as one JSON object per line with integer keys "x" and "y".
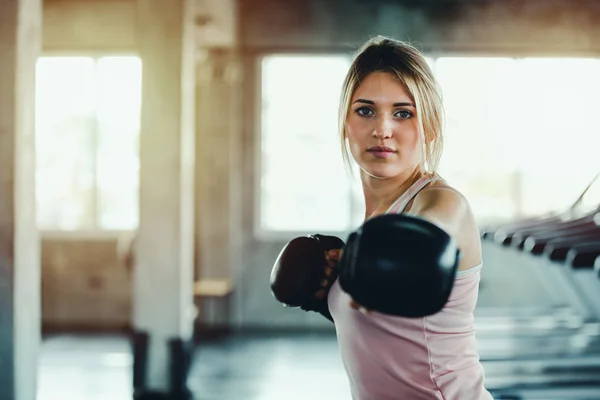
{"x": 210, "y": 289}
{"x": 213, "y": 288}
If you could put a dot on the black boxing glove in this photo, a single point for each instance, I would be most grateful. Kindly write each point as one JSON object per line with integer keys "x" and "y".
{"x": 399, "y": 265}
{"x": 299, "y": 269}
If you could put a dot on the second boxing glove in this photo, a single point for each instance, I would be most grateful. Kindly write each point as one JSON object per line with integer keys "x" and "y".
{"x": 299, "y": 269}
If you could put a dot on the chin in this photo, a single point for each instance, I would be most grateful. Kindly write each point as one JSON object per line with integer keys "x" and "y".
{"x": 381, "y": 172}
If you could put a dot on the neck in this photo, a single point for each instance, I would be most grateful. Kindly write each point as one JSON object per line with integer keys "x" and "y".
{"x": 380, "y": 194}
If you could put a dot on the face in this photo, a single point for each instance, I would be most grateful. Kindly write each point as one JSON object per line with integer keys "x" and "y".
{"x": 382, "y": 128}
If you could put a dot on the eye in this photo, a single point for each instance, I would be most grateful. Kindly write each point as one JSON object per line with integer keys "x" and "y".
{"x": 364, "y": 111}
{"x": 404, "y": 114}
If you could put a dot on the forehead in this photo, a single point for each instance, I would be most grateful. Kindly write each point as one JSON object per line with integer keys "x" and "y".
{"x": 383, "y": 86}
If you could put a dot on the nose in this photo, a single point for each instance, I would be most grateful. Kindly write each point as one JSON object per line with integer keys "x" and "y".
{"x": 383, "y": 128}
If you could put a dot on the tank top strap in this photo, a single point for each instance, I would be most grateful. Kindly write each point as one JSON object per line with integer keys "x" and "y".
{"x": 401, "y": 202}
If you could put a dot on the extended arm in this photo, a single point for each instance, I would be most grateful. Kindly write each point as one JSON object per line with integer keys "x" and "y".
{"x": 405, "y": 265}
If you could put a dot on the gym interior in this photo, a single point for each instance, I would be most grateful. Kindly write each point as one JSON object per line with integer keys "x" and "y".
{"x": 156, "y": 156}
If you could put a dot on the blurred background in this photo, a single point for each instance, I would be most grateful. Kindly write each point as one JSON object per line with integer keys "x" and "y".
{"x": 520, "y": 80}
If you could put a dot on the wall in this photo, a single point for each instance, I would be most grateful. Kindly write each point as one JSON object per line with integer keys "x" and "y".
{"x": 84, "y": 284}
{"x": 513, "y": 26}
{"x": 89, "y": 25}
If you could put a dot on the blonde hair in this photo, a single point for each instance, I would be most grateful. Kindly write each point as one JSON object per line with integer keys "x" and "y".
{"x": 409, "y": 67}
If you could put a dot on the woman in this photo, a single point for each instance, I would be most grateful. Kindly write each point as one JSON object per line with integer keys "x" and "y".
{"x": 391, "y": 126}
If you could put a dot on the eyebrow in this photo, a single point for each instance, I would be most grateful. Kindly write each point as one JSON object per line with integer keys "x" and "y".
{"x": 372, "y": 103}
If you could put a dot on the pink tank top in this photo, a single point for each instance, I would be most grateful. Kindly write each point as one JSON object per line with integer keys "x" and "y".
{"x": 394, "y": 358}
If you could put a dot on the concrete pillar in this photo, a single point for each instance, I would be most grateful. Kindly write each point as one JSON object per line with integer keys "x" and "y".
{"x": 219, "y": 230}
{"x": 20, "y": 45}
{"x": 164, "y": 274}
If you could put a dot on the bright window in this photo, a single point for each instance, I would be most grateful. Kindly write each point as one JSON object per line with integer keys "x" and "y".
{"x": 87, "y": 135}
{"x": 304, "y": 184}
{"x": 521, "y": 138}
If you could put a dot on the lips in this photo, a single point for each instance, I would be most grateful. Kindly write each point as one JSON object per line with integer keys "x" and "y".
{"x": 381, "y": 152}
{"x": 380, "y": 149}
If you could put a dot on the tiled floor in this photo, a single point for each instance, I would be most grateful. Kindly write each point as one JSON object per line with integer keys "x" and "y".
{"x": 549, "y": 352}
{"x": 85, "y": 368}
{"x": 260, "y": 366}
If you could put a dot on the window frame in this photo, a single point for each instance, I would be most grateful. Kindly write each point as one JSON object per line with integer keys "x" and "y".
{"x": 94, "y": 233}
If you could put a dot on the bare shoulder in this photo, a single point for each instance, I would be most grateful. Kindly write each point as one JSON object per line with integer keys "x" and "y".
{"x": 448, "y": 208}
{"x": 443, "y": 197}
{"x": 442, "y": 204}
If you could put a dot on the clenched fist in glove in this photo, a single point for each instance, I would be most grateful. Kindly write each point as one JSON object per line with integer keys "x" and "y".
{"x": 305, "y": 270}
